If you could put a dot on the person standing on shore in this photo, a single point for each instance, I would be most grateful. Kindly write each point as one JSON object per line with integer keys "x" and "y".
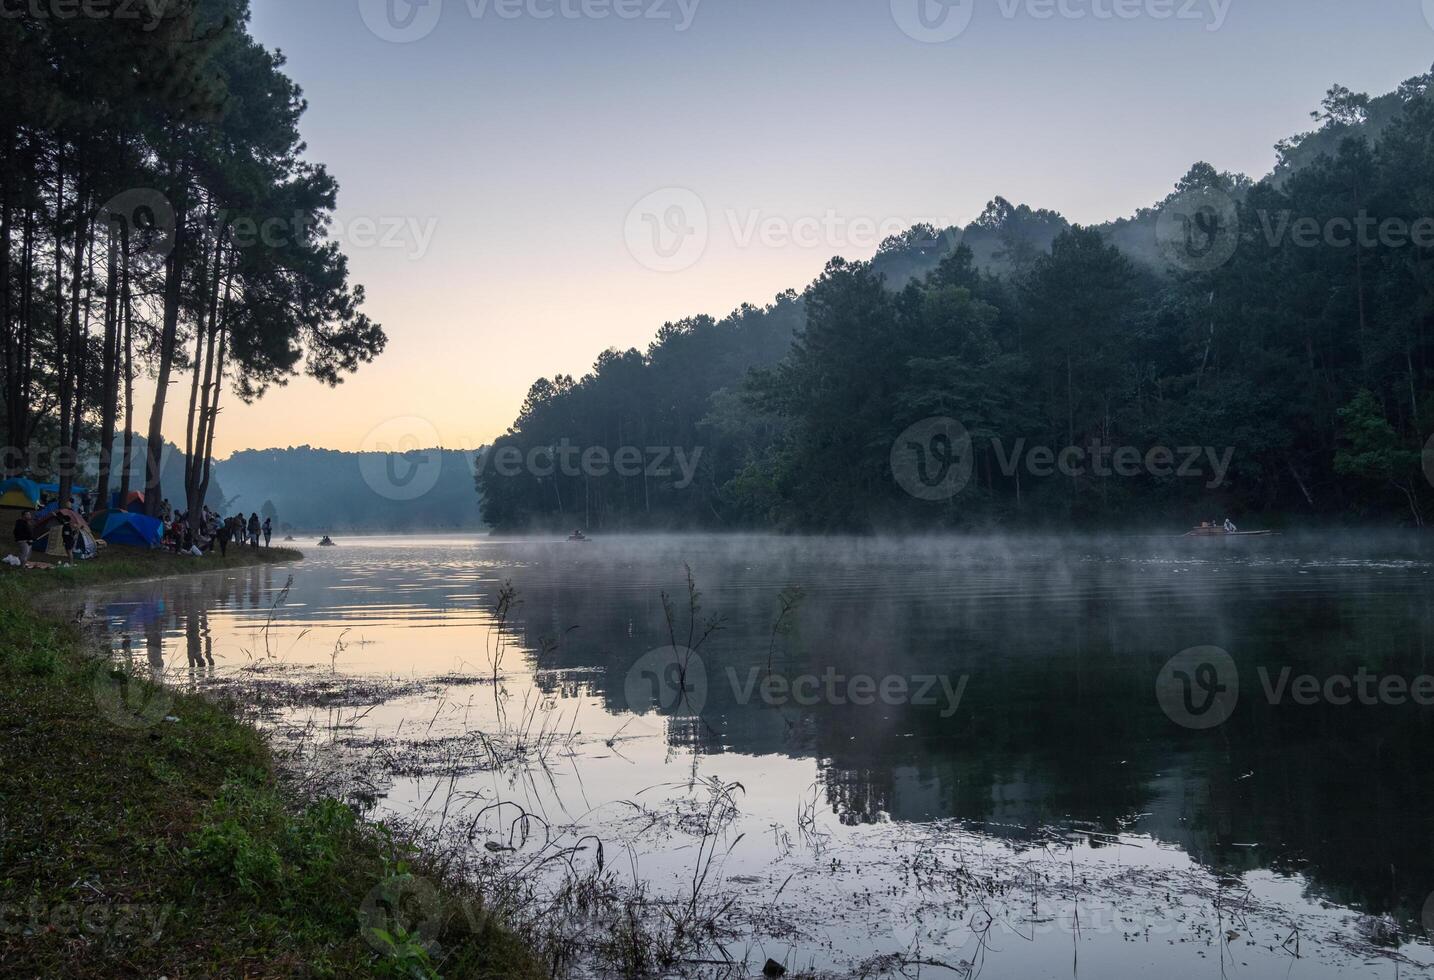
{"x": 24, "y": 537}
{"x": 253, "y": 530}
{"x": 68, "y": 534}
{"x": 268, "y": 530}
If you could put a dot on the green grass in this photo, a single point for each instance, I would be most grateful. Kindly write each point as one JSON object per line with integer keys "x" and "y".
{"x": 136, "y": 845}
{"x": 118, "y": 563}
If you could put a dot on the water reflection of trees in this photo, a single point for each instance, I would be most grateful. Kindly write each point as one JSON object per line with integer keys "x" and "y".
{"x": 1059, "y": 724}
{"x": 151, "y": 613}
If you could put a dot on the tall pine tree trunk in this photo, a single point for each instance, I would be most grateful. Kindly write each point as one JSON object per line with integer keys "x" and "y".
{"x": 213, "y": 412}
{"x": 210, "y": 298}
{"x": 109, "y": 374}
{"x": 81, "y": 285}
{"x": 62, "y": 344}
{"x": 126, "y": 464}
{"x": 9, "y": 335}
{"x": 211, "y": 409}
{"x": 199, "y": 396}
{"x": 169, "y": 330}
{"x": 18, "y": 411}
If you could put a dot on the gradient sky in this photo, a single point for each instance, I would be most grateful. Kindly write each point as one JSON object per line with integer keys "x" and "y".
{"x": 523, "y": 143}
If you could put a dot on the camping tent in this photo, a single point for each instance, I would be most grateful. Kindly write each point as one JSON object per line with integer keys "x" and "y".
{"x": 55, "y": 543}
{"x": 54, "y": 513}
{"x": 49, "y": 521}
{"x": 16, "y": 497}
{"x": 77, "y": 491}
{"x": 20, "y": 493}
{"x": 120, "y": 527}
{"x": 133, "y": 502}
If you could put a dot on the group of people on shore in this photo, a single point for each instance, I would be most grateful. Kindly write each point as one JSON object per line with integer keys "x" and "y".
{"x": 209, "y": 531}
{"x": 181, "y": 535}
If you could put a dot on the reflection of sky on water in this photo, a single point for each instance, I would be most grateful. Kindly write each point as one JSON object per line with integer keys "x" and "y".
{"x": 1058, "y": 736}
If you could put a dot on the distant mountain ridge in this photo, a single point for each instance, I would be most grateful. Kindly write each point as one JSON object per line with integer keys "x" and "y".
{"x": 325, "y": 489}
{"x": 314, "y": 489}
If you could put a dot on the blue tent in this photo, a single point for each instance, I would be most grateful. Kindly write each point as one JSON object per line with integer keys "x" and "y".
{"x": 136, "y": 529}
{"x": 19, "y": 492}
{"x": 55, "y": 488}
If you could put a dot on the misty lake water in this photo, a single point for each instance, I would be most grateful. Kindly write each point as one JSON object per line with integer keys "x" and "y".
{"x": 1014, "y": 792}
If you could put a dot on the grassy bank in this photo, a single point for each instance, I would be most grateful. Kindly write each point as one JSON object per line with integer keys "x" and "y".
{"x": 121, "y": 564}
{"x": 144, "y": 832}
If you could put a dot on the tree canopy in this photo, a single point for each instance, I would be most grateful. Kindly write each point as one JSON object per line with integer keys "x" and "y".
{"x": 158, "y": 213}
{"x": 1292, "y": 353}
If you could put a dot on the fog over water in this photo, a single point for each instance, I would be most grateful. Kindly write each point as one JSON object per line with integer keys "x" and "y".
{"x": 1104, "y": 730}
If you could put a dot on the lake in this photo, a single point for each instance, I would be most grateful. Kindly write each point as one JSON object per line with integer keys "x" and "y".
{"x": 1024, "y": 756}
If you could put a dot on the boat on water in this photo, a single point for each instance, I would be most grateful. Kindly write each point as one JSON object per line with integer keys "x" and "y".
{"x": 578, "y": 536}
{"x": 326, "y": 542}
{"x": 1216, "y": 531}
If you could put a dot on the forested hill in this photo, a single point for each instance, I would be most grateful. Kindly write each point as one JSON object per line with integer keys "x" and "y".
{"x": 327, "y": 490}
{"x": 171, "y": 468}
{"x": 1005, "y": 235}
{"x": 1281, "y": 329}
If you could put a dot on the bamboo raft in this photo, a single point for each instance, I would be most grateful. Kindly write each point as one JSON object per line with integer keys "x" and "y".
{"x": 1220, "y": 532}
